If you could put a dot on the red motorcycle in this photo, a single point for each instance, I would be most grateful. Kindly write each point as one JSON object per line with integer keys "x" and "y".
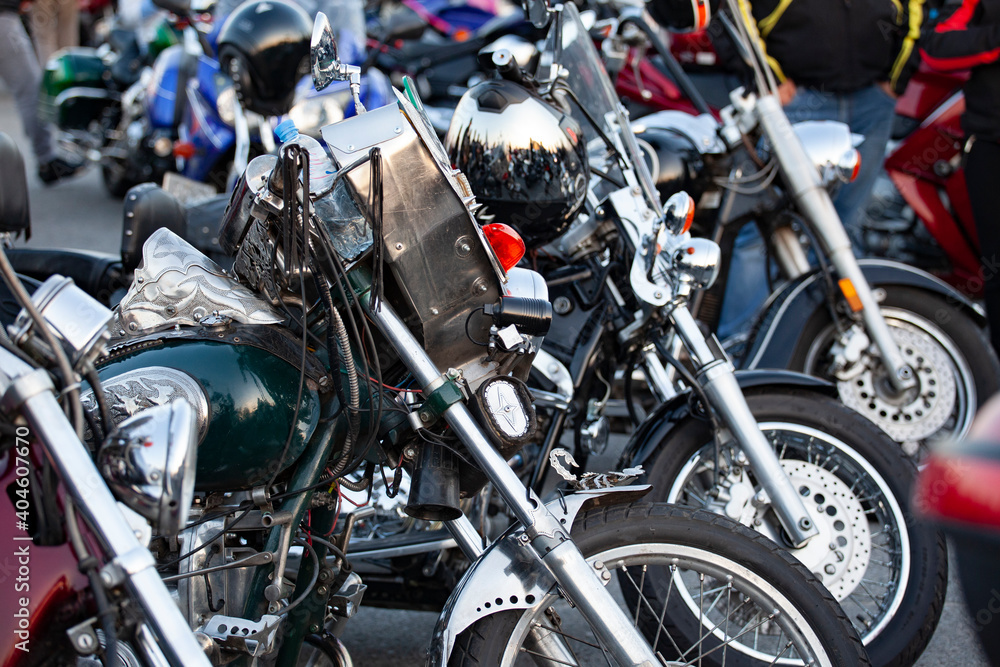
{"x": 957, "y": 489}
{"x": 925, "y": 219}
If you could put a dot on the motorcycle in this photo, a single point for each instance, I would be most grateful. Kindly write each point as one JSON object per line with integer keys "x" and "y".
{"x": 322, "y": 253}
{"x": 921, "y": 214}
{"x": 904, "y": 349}
{"x": 175, "y": 111}
{"x": 765, "y": 448}
{"x": 953, "y": 492}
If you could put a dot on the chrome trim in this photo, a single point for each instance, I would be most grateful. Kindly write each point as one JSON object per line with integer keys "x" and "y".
{"x": 177, "y": 285}
{"x": 507, "y": 571}
{"x": 140, "y": 389}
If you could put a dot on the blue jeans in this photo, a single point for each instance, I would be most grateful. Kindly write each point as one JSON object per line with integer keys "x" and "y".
{"x": 867, "y": 112}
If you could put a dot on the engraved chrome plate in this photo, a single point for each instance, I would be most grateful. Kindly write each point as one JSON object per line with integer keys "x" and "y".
{"x": 505, "y": 408}
{"x": 177, "y": 285}
{"x": 134, "y": 391}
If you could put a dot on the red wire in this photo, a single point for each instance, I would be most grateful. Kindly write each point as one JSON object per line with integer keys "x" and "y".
{"x": 391, "y": 388}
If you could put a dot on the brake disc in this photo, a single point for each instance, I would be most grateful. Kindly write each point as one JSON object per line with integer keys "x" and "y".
{"x": 917, "y": 413}
{"x": 839, "y": 556}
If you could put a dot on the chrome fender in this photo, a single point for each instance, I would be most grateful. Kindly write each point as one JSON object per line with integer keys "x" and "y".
{"x": 509, "y": 574}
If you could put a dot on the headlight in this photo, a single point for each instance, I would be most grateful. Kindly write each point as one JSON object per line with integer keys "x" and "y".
{"x": 226, "y": 105}
{"x": 830, "y": 146}
{"x": 312, "y": 113}
{"x": 149, "y": 464}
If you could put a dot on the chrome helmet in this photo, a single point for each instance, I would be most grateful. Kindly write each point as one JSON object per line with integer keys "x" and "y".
{"x": 525, "y": 159}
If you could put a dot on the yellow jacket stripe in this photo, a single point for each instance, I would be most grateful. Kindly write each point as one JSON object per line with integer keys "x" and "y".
{"x": 916, "y": 16}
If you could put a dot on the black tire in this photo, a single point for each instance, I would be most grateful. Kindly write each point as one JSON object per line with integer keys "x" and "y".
{"x": 675, "y": 530}
{"x": 934, "y": 314}
{"x": 906, "y": 631}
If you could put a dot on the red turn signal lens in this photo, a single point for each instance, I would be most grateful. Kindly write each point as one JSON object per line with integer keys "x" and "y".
{"x": 506, "y": 243}
{"x": 184, "y": 149}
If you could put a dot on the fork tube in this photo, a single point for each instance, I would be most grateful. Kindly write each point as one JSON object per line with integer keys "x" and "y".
{"x": 35, "y": 399}
{"x": 818, "y": 211}
{"x": 719, "y": 382}
{"x": 549, "y": 539}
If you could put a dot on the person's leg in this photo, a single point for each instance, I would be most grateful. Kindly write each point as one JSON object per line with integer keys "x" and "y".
{"x": 981, "y": 168}
{"x": 68, "y": 24}
{"x": 870, "y": 114}
{"x": 747, "y": 286}
{"x": 44, "y": 28}
{"x": 20, "y": 71}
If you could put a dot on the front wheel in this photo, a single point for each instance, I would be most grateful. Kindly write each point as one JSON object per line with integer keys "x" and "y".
{"x": 887, "y": 572}
{"x": 954, "y": 363}
{"x": 747, "y": 601}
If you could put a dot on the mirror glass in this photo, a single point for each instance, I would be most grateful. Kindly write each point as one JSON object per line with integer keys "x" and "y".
{"x": 323, "y": 54}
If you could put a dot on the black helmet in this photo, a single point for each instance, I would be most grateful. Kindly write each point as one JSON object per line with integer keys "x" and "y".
{"x": 682, "y": 15}
{"x": 525, "y": 159}
{"x": 264, "y": 45}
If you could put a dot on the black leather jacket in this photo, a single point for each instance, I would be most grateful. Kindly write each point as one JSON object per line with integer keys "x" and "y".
{"x": 840, "y": 45}
{"x": 970, "y": 39}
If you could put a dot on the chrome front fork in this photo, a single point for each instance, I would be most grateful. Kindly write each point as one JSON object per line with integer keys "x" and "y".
{"x": 717, "y": 379}
{"x": 549, "y": 540}
{"x": 818, "y": 211}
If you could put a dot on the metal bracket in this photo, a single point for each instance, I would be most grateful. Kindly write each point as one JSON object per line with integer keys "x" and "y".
{"x": 254, "y": 638}
{"x": 444, "y": 396}
{"x": 25, "y": 387}
{"x": 129, "y": 563}
{"x": 510, "y": 575}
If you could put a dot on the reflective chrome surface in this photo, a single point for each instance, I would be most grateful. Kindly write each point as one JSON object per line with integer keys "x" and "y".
{"x": 830, "y": 146}
{"x": 79, "y": 321}
{"x": 177, "y": 285}
{"x": 149, "y": 464}
{"x": 697, "y": 263}
{"x": 323, "y": 53}
{"x": 137, "y": 390}
{"x": 523, "y": 158}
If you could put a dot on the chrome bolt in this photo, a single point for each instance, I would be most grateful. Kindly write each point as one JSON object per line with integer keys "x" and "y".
{"x": 85, "y": 642}
{"x": 399, "y": 246}
{"x": 107, "y": 579}
{"x": 829, "y": 569}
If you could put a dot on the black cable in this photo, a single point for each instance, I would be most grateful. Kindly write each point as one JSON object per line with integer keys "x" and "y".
{"x": 102, "y": 400}
{"x": 312, "y": 582}
{"x": 607, "y": 177}
{"x": 467, "y": 319}
{"x": 303, "y": 219}
{"x": 219, "y": 534}
{"x": 107, "y": 615}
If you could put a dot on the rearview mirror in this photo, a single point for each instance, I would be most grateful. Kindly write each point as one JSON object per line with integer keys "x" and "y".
{"x": 538, "y": 12}
{"x": 323, "y": 54}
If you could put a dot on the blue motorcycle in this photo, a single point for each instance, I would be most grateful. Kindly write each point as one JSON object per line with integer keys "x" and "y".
{"x": 184, "y": 115}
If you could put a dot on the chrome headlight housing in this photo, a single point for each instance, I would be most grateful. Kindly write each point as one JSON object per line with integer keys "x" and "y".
{"x": 310, "y": 114}
{"x": 831, "y": 147}
{"x": 149, "y": 462}
{"x": 225, "y": 104}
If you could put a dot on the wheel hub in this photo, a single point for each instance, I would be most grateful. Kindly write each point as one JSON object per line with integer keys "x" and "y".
{"x": 917, "y": 413}
{"x": 840, "y": 554}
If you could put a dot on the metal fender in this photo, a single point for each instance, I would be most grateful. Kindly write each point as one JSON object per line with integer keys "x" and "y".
{"x": 789, "y": 309}
{"x": 509, "y": 575}
{"x": 657, "y": 426}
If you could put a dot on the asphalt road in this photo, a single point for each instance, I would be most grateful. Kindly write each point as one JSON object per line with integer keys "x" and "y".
{"x": 79, "y": 214}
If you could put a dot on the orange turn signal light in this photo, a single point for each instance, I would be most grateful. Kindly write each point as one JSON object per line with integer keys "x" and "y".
{"x": 851, "y": 294}
{"x": 506, "y": 243}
